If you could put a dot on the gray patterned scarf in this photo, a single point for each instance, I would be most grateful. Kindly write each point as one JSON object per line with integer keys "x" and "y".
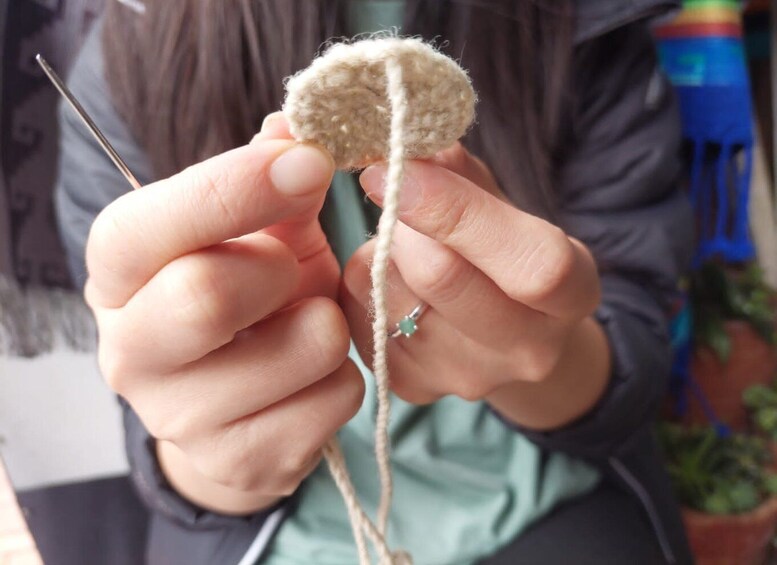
{"x": 39, "y": 310}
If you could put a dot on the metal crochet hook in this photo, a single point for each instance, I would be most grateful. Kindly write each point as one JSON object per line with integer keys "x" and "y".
{"x": 98, "y": 135}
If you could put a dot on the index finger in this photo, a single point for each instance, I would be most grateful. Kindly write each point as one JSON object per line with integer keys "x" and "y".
{"x": 233, "y": 194}
{"x": 530, "y": 259}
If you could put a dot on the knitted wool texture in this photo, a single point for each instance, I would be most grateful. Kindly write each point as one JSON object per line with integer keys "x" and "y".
{"x": 341, "y": 101}
{"x": 382, "y": 99}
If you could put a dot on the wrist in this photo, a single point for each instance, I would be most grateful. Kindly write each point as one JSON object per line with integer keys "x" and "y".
{"x": 203, "y": 492}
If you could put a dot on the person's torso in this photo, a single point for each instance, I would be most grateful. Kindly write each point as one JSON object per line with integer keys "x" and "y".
{"x": 464, "y": 483}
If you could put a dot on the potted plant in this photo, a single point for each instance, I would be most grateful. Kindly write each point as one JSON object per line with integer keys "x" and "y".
{"x": 734, "y": 339}
{"x": 761, "y": 404}
{"x": 727, "y": 492}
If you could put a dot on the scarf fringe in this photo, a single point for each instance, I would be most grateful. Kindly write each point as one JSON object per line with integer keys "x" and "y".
{"x": 36, "y": 320}
{"x": 721, "y": 173}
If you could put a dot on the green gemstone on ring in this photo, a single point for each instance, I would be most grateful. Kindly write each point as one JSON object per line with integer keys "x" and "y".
{"x": 408, "y": 326}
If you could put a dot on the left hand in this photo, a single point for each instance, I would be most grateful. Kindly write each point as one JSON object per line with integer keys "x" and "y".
{"x": 505, "y": 289}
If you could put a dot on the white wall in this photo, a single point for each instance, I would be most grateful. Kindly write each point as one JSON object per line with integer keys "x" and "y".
{"x": 59, "y": 423}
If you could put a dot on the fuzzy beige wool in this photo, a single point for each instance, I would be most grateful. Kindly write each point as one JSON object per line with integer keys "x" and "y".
{"x": 383, "y": 99}
{"x": 341, "y": 101}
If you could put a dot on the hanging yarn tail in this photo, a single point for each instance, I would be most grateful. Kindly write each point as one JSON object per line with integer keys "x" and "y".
{"x": 388, "y": 221}
{"x": 360, "y": 522}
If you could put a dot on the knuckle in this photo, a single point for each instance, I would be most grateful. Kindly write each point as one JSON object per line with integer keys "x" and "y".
{"x": 327, "y": 332}
{"x": 594, "y": 298}
{"x": 353, "y": 391}
{"x": 105, "y": 228}
{"x": 356, "y": 274}
{"x": 538, "y": 363}
{"x": 237, "y": 477}
{"x": 279, "y": 259}
{"x": 289, "y": 476}
{"x": 454, "y": 218}
{"x": 109, "y": 227}
{"x": 154, "y": 425}
{"x": 211, "y": 196}
{"x": 441, "y": 274}
{"x": 115, "y": 368}
{"x": 240, "y": 477}
{"x": 471, "y": 389}
{"x": 415, "y": 388}
{"x": 163, "y": 417}
{"x": 200, "y": 294}
{"x": 287, "y": 485}
{"x": 552, "y": 267}
{"x": 413, "y": 394}
{"x": 588, "y": 278}
{"x": 280, "y": 256}
{"x": 89, "y": 294}
{"x": 294, "y": 465}
{"x": 234, "y": 469}
{"x": 164, "y": 425}
{"x": 533, "y": 372}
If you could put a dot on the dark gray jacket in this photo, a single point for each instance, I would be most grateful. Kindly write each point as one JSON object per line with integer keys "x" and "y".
{"x": 619, "y": 194}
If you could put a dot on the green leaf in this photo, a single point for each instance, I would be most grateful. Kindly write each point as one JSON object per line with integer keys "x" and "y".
{"x": 744, "y": 496}
{"x": 759, "y": 396}
{"x": 719, "y": 341}
{"x": 770, "y": 483}
{"x": 715, "y": 474}
{"x": 719, "y": 292}
{"x": 766, "y": 419}
{"x": 717, "y": 503}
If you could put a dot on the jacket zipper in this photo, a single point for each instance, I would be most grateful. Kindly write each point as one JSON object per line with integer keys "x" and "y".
{"x": 262, "y": 539}
{"x": 647, "y": 504}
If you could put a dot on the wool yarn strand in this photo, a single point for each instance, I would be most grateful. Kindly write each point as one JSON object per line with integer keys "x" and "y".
{"x": 378, "y": 274}
{"x": 360, "y": 523}
{"x": 426, "y": 105}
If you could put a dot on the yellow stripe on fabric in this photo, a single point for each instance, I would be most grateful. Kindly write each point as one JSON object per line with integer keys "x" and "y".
{"x": 708, "y": 15}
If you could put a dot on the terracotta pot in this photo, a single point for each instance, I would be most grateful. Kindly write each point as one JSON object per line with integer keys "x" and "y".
{"x": 742, "y": 539}
{"x": 752, "y": 361}
{"x": 772, "y": 447}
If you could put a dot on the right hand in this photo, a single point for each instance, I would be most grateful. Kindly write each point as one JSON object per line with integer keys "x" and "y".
{"x": 213, "y": 294}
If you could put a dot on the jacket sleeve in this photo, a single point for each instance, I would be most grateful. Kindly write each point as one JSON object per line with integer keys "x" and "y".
{"x": 620, "y": 194}
{"x": 87, "y": 182}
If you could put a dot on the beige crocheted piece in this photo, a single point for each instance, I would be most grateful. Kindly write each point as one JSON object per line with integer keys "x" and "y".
{"x": 382, "y": 99}
{"x": 341, "y": 101}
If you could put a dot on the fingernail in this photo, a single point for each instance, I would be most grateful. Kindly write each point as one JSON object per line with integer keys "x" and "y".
{"x": 373, "y": 180}
{"x": 302, "y": 169}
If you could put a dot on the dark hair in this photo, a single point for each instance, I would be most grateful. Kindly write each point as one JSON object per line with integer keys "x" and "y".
{"x": 194, "y": 78}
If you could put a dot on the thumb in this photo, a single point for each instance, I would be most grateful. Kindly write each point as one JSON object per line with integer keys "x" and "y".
{"x": 303, "y": 234}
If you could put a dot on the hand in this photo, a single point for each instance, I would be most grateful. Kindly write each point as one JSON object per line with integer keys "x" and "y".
{"x": 213, "y": 293}
{"x": 510, "y": 295}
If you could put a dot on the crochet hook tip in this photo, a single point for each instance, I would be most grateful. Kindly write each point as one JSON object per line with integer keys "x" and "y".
{"x": 98, "y": 135}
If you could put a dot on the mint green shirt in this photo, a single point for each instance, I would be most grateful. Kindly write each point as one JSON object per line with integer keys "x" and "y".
{"x": 464, "y": 483}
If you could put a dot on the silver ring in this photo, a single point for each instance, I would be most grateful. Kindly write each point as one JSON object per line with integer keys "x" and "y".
{"x": 408, "y": 326}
